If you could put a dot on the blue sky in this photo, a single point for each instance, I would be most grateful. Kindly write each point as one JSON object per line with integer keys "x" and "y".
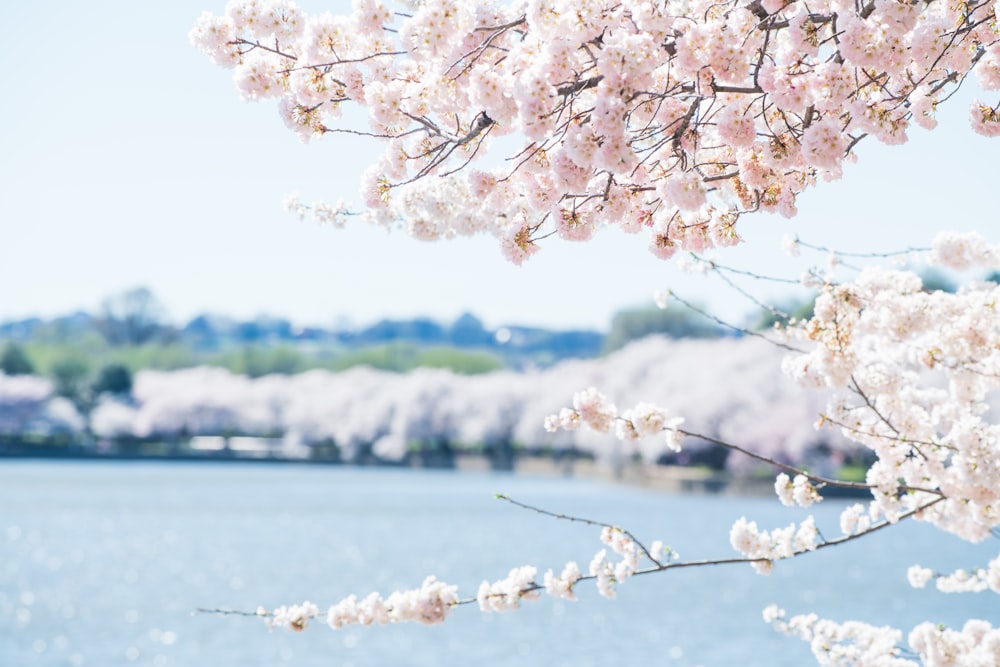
{"x": 127, "y": 159}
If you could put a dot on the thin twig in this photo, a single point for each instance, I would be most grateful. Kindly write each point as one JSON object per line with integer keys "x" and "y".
{"x": 575, "y": 519}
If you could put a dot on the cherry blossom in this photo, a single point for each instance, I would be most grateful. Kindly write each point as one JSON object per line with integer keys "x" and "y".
{"x": 681, "y": 114}
{"x": 429, "y": 604}
{"x": 854, "y": 643}
{"x": 909, "y": 374}
{"x": 28, "y": 405}
{"x": 539, "y": 118}
{"x": 795, "y": 492}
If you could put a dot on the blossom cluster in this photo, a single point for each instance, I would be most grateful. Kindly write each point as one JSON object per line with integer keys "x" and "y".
{"x": 795, "y": 492}
{"x": 28, "y": 404}
{"x": 910, "y": 371}
{"x": 322, "y": 213}
{"x": 607, "y": 573}
{"x": 851, "y": 643}
{"x": 959, "y": 581}
{"x": 562, "y": 586}
{"x": 961, "y": 251}
{"x": 434, "y": 600}
{"x": 857, "y": 518}
{"x": 429, "y": 604}
{"x": 507, "y": 593}
{"x": 673, "y": 118}
{"x": 592, "y": 409}
{"x": 765, "y": 547}
{"x": 858, "y": 644}
{"x": 294, "y": 616}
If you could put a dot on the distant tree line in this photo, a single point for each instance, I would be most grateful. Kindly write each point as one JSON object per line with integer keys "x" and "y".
{"x": 73, "y": 376}
{"x": 88, "y": 354}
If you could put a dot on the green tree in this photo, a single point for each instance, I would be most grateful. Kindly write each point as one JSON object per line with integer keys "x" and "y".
{"x": 113, "y": 379}
{"x": 283, "y": 360}
{"x": 792, "y": 310}
{"x": 69, "y": 374}
{"x": 673, "y": 321}
{"x": 458, "y": 361}
{"x": 254, "y": 361}
{"x": 396, "y": 357}
{"x": 14, "y": 361}
{"x": 132, "y": 317}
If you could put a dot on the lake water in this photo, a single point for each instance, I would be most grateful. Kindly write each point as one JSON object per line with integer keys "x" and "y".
{"x": 103, "y": 564}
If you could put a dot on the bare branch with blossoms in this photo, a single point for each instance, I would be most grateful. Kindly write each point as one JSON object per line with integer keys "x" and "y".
{"x": 589, "y": 522}
{"x": 909, "y": 371}
{"x": 855, "y": 643}
{"x": 883, "y": 345}
{"x": 662, "y": 298}
{"x": 905, "y": 253}
{"x": 434, "y": 601}
{"x": 592, "y": 410}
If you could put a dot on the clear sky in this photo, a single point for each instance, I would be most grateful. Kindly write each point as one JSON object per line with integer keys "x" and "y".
{"x": 127, "y": 159}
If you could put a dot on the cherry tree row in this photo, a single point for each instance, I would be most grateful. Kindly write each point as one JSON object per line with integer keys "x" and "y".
{"x": 364, "y": 410}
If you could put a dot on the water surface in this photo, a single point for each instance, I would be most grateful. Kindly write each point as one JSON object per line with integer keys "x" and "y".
{"x": 103, "y": 564}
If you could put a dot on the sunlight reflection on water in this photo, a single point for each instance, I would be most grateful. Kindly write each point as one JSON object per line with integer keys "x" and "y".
{"x": 103, "y": 563}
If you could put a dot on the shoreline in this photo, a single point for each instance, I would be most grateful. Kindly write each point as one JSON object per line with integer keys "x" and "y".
{"x": 658, "y": 478}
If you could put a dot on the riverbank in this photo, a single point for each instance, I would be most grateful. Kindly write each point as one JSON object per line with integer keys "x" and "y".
{"x": 667, "y": 479}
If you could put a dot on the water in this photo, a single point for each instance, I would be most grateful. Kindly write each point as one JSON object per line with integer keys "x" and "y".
{"x": 103, "y": 564}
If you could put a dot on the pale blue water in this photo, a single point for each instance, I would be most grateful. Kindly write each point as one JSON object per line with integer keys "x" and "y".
{"x": 103, "y": 563}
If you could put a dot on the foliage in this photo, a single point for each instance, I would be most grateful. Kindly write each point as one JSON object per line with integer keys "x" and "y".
{"x": 272, "y": 345}
{"x": 675, "y": 321}
{"x": 793, "y": 311}
{"x": 151, "y": 355}
{"x": 113, "y": 379}
{"x": 458, "y": 361}
{"x": 14, "y": 361}
{"x": 133, "y": 317}
{"x": 852, "y": 473}
{"x": 403, "y": 357}
{"x": 70, "y": 374}
{"x": 256, "y": 361}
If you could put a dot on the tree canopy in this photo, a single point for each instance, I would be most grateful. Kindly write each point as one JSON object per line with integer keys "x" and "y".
{"x": 673, "y": 119}
{"x": 14, "y": 361}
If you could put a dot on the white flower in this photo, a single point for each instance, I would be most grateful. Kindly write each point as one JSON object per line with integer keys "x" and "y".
{"x": 783, "y": 487}
{"x": 790, "y": 245}
{"x": 562, "y": 586}
{"x": 919, "y": 576}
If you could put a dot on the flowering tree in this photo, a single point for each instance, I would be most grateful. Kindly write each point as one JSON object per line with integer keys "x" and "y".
{"x": 365, "y": 410}
{"x": 676, "y": 118}
{"x": 28, "y": 406}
